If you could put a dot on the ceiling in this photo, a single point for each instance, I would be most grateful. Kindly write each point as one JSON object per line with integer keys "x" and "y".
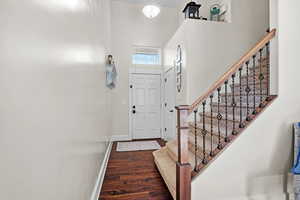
{"x": 167, "y": 3}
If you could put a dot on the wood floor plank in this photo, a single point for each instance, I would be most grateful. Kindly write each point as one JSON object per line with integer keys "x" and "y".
{"x": 133, "y": 176}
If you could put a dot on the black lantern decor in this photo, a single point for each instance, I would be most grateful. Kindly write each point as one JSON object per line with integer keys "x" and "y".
{"x": 191, "y": 10}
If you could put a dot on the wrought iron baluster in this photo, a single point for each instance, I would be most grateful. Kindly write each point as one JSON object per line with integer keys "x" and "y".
{"x": 268, "y": 70}
{"x": 241, "y": 125}
{"x": 211, "y": 126}
{"x": 219, "y": 117}
{"x": 204, "y": 132}
{"x": 196, "y": 141}
{"x": 254, "y": 83}
{"x": 261, "y": 78}
{"x": 226, "y": 112}
{"x": 248, "y": 90}
{"x": 233, "y": 104}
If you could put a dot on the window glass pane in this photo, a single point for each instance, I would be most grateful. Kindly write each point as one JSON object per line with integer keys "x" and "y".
{"x": 146, "y": 59}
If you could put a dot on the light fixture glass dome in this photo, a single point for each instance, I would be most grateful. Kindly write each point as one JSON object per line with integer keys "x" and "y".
{"x": 151, "y": 11}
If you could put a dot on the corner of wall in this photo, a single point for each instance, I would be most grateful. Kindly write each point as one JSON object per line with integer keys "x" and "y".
{"x": 98, "y": 185}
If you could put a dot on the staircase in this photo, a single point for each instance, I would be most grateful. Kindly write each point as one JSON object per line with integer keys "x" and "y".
{"x": 208, "y": 126}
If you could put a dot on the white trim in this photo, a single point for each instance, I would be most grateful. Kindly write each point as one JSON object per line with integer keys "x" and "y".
{"x": 116, "y": 138}
{"x": 280, "y": 196}
{"x": 129, "y": 105}
{"x": 162, "y": 94}
{"x": 135, "y": 51}
{"x": 169, "y": 70}
{"x": 135, "y": 70}
{"x": 100, "y": 178}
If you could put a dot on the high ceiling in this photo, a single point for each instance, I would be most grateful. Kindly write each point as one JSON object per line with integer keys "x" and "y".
{"x": 167, "y": 3}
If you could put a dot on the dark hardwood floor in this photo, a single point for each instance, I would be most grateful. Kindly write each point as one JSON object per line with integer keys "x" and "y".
{"x": 133, "y": 176}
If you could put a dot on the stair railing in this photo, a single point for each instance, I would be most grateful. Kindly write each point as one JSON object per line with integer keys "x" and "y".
{"x": 238, "y": 100}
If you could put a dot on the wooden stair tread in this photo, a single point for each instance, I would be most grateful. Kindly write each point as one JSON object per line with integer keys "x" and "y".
{"x": 237, "y": 87}
{"x": 238, "y": 94}
{"x": 251, "y": 76}
{"x": 200, "y": 138}
{"x": 167, "y": 169}
{"x": 249, "y": 84}
{"x": 172, "y": 149}
{"x": 238, "y": 106}
{"x": 215, "y": 117}
{"x": 215, "y": 128}
{"x": 200, "y": 143}
{"x": 192, "y": 131}
{"x": 257, "y": 68}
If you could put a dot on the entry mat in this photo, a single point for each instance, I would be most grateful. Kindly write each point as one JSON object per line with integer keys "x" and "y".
{"x": 137, "y": 146}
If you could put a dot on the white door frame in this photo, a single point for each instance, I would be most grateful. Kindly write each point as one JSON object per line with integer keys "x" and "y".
{"x": 165, "y": 110}
{"x": 146, "y": 71}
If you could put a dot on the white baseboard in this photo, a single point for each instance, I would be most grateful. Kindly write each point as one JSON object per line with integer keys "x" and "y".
{"x": 100, "y": 178}
{"x": 120, "y": 138}
{"x": 115, "y": 138}
{"x": 281, "y": 196}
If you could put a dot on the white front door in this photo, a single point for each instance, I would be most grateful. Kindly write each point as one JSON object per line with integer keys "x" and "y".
{"x": 146, "y": 106}
{"x": 170, "y": 101}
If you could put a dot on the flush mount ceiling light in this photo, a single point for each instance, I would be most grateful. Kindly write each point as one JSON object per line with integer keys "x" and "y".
{"x": 151, "y": 11}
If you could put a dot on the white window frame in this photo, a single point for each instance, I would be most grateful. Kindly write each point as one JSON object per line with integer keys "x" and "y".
{"x": 143, "y": 49}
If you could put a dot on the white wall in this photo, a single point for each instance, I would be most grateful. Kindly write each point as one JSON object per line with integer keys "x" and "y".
{"x": 265, "y": 149}
{"x": 274, "y": 47}
{"x": 130, "y": 27}
{"x": 170, "y": 53}
{"x": 212, "y": 47}
{"x": 55, "y": 108}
